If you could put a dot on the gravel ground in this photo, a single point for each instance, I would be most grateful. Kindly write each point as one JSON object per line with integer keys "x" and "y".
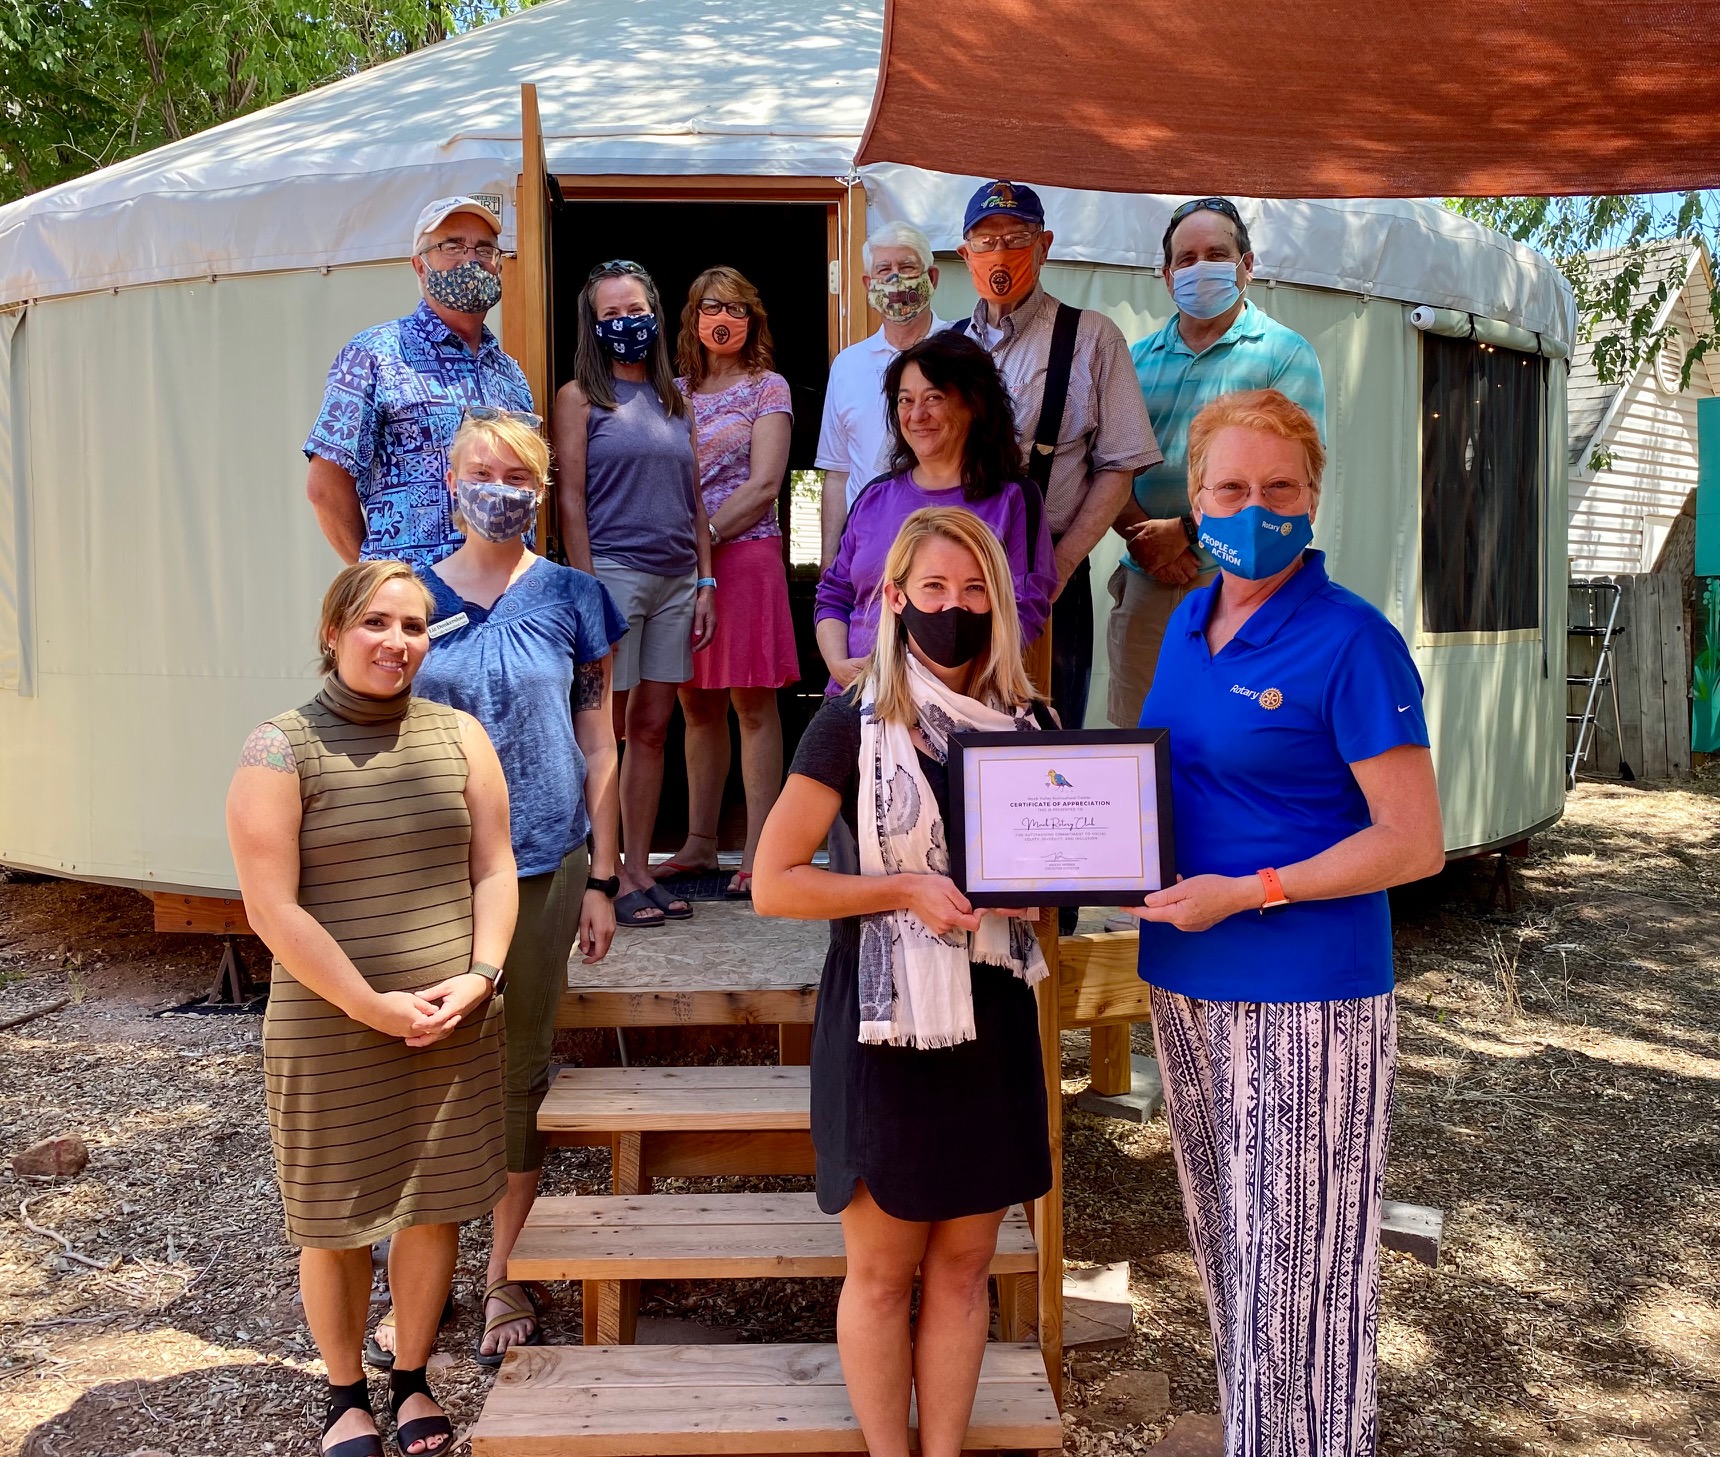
{"x": 1556, "y": 1099}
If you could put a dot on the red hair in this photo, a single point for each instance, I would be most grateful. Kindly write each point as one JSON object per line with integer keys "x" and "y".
{"x": 1272, "y": 412}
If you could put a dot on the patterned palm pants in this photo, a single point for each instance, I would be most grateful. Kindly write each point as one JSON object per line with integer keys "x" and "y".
{"x": 1279, "y": 1115}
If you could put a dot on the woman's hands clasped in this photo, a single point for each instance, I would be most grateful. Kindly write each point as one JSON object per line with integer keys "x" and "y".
{"x": 1201, "y": 901}
{"x": 420, "y": 1019}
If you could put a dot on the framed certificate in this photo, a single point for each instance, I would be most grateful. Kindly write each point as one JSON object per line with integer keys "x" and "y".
{"x": 1078, "y": 817}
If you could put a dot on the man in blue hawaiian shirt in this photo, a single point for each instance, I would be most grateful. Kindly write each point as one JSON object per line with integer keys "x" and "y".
{"x": 379, "y": 449}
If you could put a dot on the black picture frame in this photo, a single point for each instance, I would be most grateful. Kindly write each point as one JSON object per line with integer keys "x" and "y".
{"x": 962, "y": 745}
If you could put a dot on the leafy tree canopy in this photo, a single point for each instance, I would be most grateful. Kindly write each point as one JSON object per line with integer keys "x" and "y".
{"x": 84, "y": 83}
{"x": 1615, "y": 312}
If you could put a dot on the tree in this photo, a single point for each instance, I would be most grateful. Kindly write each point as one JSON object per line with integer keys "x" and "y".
{"x": 1613, "y": 311}
{"x": 84, "y": 83}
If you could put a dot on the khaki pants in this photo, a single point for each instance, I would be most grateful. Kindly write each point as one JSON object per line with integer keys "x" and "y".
{"x": 543, "y": 940}
{"x": 1141, "y": 606}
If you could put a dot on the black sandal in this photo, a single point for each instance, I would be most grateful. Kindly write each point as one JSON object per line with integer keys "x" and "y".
{"x": 380, "y": 1360}
{"x": 341, "y": 1400}
{"x": 402, "y": 1386}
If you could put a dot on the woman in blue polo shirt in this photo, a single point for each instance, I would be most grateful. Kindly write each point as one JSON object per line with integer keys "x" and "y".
{"x": 1302, "y": 787}
{"x": 523, "y": 645}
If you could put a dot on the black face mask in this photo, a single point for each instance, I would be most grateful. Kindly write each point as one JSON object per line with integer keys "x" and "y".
{"x": 952, "y": 638}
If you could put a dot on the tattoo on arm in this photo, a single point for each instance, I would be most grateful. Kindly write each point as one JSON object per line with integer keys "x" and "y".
{"x": 267, "y": 748}
{"x": 588, "y": 686}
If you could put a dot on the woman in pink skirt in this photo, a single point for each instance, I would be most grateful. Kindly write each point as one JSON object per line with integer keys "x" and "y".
{"x": 744, "y": 419}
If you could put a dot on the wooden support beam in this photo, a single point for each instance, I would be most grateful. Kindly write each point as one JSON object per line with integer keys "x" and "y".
{"x": 207, "y": 915}
{"x": 1108, "y": 1070}
{"x": 1100, "y": 982}
{"x": 588, "y": 1006}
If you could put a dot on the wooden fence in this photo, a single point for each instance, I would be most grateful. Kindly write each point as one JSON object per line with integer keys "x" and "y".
{"x": 1651, "y": 666}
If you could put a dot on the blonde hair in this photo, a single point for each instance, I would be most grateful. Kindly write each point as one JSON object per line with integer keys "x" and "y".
{"x": 350, "y": 593}
{"x": 1271, "y": 412}
{"x": 506, "y": 433}
{"x": 1002, "y": 680}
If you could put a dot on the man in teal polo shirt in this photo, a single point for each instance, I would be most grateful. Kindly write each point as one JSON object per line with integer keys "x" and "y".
{"x": 1215, "y": 344}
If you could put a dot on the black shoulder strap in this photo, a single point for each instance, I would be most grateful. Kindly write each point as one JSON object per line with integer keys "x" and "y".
{"x": 1057, "y": 369}
{"x": 958, "y": 328}
{"x": 1041, "y": 711}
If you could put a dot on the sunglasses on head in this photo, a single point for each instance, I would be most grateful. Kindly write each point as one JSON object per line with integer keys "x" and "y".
{"x": 496, "y": 412}
{"x": 1220, "y": 205}
{"x": 614, "y": 266}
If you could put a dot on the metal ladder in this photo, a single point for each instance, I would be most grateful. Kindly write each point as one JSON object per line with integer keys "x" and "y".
{"x": 1598, "y": 591}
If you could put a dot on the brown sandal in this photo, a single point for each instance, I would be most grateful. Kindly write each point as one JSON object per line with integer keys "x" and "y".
{"x": 536, "y": 1299}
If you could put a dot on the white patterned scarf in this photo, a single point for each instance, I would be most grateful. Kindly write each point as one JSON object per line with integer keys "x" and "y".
{"x": 915, "y": 987}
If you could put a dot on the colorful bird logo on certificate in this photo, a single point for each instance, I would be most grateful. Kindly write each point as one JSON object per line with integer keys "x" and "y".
{"x": 1057, "y": 780}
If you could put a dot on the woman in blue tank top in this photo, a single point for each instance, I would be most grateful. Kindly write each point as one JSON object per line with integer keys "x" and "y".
{"x": 632, "y": 515}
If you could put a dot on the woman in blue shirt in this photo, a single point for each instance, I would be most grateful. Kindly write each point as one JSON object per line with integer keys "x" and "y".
{"x": 1302, "y": 787}
{"x": 523, "y": 645}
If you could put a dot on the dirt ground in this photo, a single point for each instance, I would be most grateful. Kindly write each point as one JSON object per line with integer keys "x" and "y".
{"x": 1556, "y": 1100}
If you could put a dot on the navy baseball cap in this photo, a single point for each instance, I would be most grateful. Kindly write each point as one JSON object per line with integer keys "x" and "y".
{"x": 1004, "y": 200}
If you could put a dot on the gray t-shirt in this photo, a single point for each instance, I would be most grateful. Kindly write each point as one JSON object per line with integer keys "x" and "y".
{"x": 639, "y": 483}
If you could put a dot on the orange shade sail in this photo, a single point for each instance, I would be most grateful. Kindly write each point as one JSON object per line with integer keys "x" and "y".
{"x": 1305, "y": 98}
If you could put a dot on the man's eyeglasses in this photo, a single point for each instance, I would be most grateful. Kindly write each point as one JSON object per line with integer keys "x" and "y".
{"x": 614, "y": 266}
{"x": 1223, "y": 206}
{"x": 496, "y": 412}
{"x": 1004, "y": 242}
{"x": 908, "y": 272}
{"x": 453, "y": 248}
{"x": 1278, "y": 495}
{"x": 711, "y": 307}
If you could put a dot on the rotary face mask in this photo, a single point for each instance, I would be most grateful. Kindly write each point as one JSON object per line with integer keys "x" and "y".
{"x": 723, "y": 335}
{"x": 495, "y": 510}
{"x": 466, "y": 288}
{"x": 1255, "y": 543}
{"x": 1006, "y": 276}
{"x": 900, "y": 300}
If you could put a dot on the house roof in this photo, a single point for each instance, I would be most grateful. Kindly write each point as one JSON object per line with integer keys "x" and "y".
{"x": 1589, "y": 397}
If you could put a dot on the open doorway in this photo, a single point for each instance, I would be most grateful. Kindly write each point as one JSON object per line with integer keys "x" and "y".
{"x": 788, "y": 250}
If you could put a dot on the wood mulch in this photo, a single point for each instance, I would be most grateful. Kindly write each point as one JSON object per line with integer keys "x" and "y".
{"x": 1556, "y": 1099}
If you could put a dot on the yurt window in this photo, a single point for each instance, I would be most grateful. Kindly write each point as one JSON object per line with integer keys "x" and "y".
{"x": 1481, "y": 467}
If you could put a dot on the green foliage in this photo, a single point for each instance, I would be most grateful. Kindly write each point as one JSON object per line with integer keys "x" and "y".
{"x": 84, "y": 83}
{"x": 1621, "y": 325}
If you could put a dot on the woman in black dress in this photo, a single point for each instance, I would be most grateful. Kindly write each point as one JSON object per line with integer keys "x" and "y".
{"x": 928, "y": 1098}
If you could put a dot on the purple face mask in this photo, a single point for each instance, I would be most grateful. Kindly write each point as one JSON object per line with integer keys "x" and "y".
{"x": 496, "y": 511}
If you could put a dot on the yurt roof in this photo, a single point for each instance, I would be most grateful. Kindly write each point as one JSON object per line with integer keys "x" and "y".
{"x": 651, "y": 87}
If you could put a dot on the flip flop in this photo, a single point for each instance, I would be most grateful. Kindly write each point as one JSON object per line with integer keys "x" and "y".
{"x": 380, "y": 1360}
{"x": 630, "y": 910}
{"x": 740, "y": 888}
{"x": 674, "y": 869}
{"x": 532, "y": 1310}
{"x": 665, "y": 902}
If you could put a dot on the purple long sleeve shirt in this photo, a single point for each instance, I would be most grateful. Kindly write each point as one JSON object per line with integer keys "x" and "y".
{"x": 848, "y": 590}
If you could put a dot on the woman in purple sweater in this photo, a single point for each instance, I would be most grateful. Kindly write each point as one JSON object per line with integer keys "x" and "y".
{"x": 954, "y": 444}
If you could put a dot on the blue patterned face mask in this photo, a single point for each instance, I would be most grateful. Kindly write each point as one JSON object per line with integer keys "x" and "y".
{"x": 495, "y": 510}
{"x": 628, "y": 338}
{"x": 466, "y": 288}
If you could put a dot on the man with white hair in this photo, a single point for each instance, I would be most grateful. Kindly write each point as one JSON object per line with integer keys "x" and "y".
{"x": 396, "y": 394}
{"x": 853, "y": 439}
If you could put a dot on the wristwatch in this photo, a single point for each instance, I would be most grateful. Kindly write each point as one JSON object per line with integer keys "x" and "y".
{"x": 1190, "y": 530}
{"x": 610, "y": 887}
{"x": 494, "y": 975}
{"x": 704, "y": 582}
{"x": 1275, "y": 900}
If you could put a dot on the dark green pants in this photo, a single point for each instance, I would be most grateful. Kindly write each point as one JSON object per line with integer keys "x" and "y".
{"x": 537, "y": 977}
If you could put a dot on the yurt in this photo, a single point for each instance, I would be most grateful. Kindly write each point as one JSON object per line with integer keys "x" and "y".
{"x": 166, "y": 325}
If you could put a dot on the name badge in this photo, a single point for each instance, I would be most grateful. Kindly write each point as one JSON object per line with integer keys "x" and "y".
{"x": 448, "y": 625}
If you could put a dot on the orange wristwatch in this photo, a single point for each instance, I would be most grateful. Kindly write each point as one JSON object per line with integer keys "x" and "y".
{"x": 1275, "y": 900}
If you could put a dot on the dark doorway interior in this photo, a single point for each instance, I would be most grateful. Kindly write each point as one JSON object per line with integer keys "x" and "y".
{"x": 783, "y": 248}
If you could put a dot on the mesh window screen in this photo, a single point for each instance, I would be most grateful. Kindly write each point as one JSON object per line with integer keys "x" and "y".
{"x": 1480, "y": 486}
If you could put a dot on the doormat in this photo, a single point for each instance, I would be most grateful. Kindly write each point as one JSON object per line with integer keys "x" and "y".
{"x": 700, "y": 885}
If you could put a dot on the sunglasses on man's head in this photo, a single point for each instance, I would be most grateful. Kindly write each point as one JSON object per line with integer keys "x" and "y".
{"x": 1223, "y": 206}
{"x": 496, "y": 412}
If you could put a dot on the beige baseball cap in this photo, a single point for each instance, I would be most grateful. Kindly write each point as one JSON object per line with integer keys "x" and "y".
{"x": 444, "y": 208}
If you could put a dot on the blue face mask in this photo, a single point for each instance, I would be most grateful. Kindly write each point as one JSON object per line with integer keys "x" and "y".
{"x": 1206, "y": 289}
{"x": 1255, "y": 543}
{"x": 495, "y": 510}
{"x": 629, "y": 337}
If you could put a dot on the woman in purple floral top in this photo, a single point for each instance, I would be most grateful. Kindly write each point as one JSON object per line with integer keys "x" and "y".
{"x": 744, "y": 419}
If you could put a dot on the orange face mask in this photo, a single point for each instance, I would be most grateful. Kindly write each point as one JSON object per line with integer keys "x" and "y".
{"x": 723, "y": 335}
{"x": 1006, "y": 276}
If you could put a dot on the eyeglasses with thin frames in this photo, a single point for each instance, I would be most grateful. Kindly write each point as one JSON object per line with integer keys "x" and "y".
{"x": 1003, "y": 242}
{"x": 1278, "y": 495}
{"x": 486, "y": 253}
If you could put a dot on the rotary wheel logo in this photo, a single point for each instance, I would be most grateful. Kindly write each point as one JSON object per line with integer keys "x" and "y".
{"x": 1271, "y": 698}
{"x": 720, "y": 334}
{"x": 999, "y": 281}
{"x": 1286, "y": 528}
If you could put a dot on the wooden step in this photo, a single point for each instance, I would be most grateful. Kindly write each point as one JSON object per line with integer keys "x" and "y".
{"x": 703, "y": 1237}
{"x": 677, "y": 1100}
{"x": 679, "y": 1401}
